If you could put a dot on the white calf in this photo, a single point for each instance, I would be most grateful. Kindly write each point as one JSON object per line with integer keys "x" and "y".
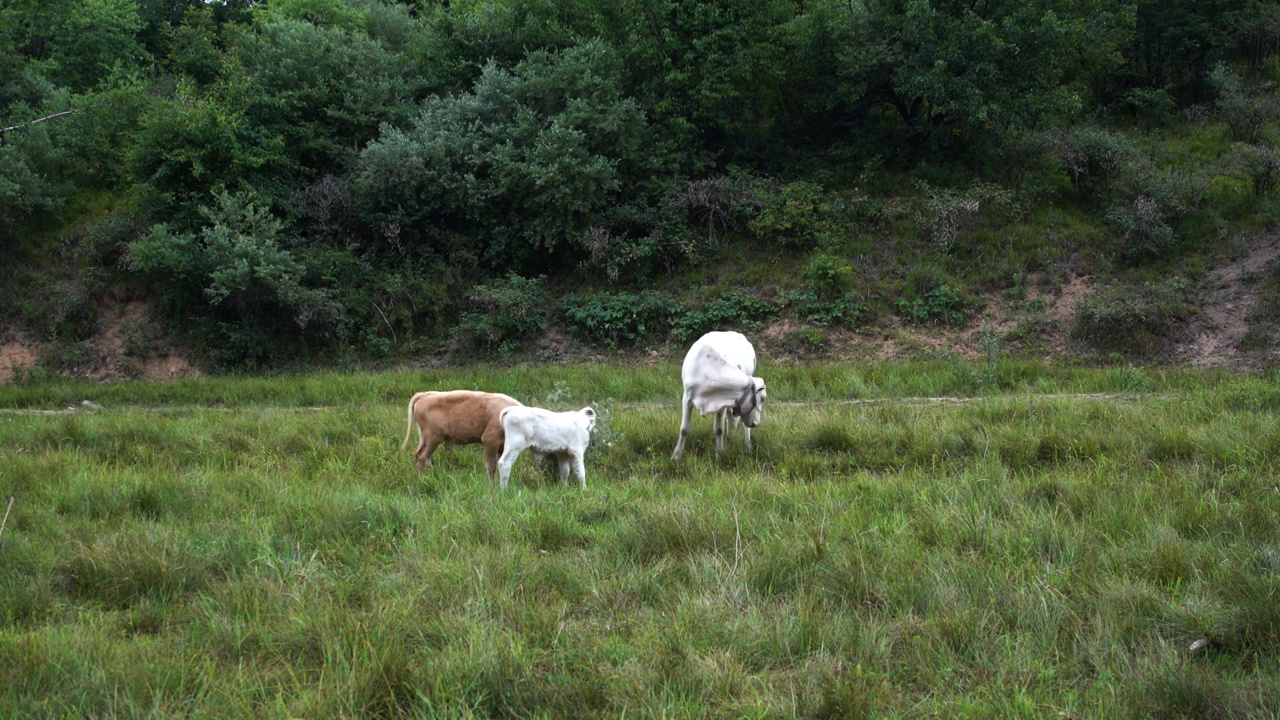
{"x": 563, "y": 434}
{"x": 717, "y": 376}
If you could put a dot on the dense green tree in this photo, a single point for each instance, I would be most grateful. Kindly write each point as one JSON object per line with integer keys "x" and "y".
{"x": 323, "y": 91}
{"x": 193, "y": 46}
{"x": 1177, "y": 42}
{"x": 191, "y": 145}
{"x": 711, "y": 73}
{"x": 31, "y": 181}
{"x": 97, "y": 35}
{"x": 511, "y": 172}
{"x": 959, "y": 72}
{"x": 237, "y": 273}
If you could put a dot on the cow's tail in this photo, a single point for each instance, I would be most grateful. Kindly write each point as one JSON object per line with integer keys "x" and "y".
{"x": 408, "y": 432}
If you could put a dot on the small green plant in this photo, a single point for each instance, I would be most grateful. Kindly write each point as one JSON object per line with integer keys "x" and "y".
{"x": 828, "y": 276}
{"x": 806, "y": 341}
{"x": 989, "y": 343}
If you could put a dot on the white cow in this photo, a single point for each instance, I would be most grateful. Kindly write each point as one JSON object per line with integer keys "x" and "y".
{"x": 718, "y": 378}
{"x": 563, "y": 434}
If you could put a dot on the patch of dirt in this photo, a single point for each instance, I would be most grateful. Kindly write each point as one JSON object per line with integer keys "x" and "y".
{"x": 15, "y": 356}
{"x": 130, "y": 345}
{"x": 1224, "y": 310}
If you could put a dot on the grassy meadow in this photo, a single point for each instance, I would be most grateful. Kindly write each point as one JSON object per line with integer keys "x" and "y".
{"x": 1067, "y": 542}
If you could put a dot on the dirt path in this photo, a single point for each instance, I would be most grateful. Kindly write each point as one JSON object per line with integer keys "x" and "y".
{"x": 1224, "y": 310}
{"x": 87, "y": 407}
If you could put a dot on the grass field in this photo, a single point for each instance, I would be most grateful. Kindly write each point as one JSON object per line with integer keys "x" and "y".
{"x": 1063, "y": 543}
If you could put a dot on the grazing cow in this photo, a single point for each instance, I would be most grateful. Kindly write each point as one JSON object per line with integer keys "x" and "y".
{"x": 563, "y": 434}
{"x": 717, "y": 376}
{"x": 458, "y": 416}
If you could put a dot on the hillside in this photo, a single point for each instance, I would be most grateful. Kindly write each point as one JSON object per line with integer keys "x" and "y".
{"x": 226, "y": 187}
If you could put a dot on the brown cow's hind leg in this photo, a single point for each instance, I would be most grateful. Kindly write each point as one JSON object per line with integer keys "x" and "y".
{"x": 425, "y": 448}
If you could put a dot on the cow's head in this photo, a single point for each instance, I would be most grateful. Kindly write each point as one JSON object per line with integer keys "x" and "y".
{"x": 590, "y": 415}
{"x": 750, "y": 406}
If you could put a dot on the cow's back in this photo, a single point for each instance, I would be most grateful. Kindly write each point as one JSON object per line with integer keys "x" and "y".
{"x": 462, "y": 416}
{"x": 733, "y": 346}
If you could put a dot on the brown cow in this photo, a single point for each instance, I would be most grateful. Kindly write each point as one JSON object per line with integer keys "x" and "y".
{"x": 459, "y": 416}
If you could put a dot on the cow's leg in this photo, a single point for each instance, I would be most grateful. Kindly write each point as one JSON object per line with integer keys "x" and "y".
{"x": 564, "y": 462}
{"x": 492, "y": 439}
{"x": 580, "y": 469}
{"x": 426, "y": 446}
{"x": 505, "y": 462}
{"x": 491, "y": 454}
{"x": 686, "y": 407}
{"x": 720, "y": 423}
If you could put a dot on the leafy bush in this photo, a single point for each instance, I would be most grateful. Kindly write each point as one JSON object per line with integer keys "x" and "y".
{"x": 1144, "y": 232}
{"x": 847, "y": 310}
{"x": 1246, "y": 115}
{"x": 1095, "y": 160}
{"x": 506, "y": 314}
{"x": 30, "y": 165}
{"x": 943, "y": 305}
{"x": 720, "y": 204}
{"x": 618, "y": 320}
{"x": 251, "y": 292}
{"x": 517, "y": 170}
{"x": 953, "y": 215}
{"x": 729, "y": 311}
{"x": 1137, "y": 320}
{"x": 1153, "y": 107}
{"x": 797, "y": 215}
{"x": 1260, "y": 163}
{"x": 828, "y": 276}
{"x": 1162, "y": 198}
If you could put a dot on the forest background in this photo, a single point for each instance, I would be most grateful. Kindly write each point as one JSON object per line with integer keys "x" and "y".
{"x": 254, "y": 185}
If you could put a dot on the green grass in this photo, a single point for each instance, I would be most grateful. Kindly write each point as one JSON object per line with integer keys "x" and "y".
{"x": 263, "y": 548}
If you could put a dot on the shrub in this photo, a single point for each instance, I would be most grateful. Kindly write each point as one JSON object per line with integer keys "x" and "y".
{"x": 520, "y": 167}
{"x": 618, "y": 320}
{"x": 1260, "y": 163}
{"x": 1153, "y": 107}
{"x": 720, "y": 204}
{"x": 952, "y": 215}
{"x": 847, "y": 310}
{"x": 1163, "y": 198}
{"x": 1247, "y": 116}
{"x": 1094, "y": 160}
{"x": 730, "y": 311}
{"x": 1143, "y": 231}
{"x": 798, "y": 215}
{"x": 943, "y": 305}
{"x": 506, "y": 314}
{"x": 828, "y": 276}
{"x": 1135, "y": 320}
